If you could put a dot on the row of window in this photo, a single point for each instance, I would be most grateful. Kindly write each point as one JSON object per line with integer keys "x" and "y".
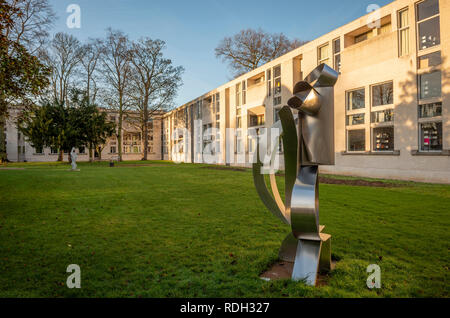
{"x": 382, "y": 94}
{"x": 430, "y": 137}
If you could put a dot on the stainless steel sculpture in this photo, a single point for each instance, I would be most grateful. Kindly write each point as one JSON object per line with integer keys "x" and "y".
{"x": 306, "y": 146}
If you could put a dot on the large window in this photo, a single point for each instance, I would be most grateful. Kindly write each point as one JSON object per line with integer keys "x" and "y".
{"x": 277, "y": 80}
{"x": 403, "y": 32}
{"x": 276, "y": 116}
{"x": 277, "y": 85}
{"x": 383, "y": 138}
{"x": 383, "y": 116}
{"x": 431, "y": 136}
{"x": 430, "y": 60}
{"x": 269, "y": 82}
{"x": 39, "y": 150}
{"x": 356, "y": 99}
{"x": 217, "y": 104}
{"x": 383, "y": 94}
{"x": 428, "y": 24}
{"x": 356, "y": 140}
{"x": 430, "y": 85}
{"x": 337, "y": 55}
{"x": 244, "y": 92}
{"x": 323, "y": 53}
{"x": 357, "y": 119}
{"x": 364, "y": 36}
{"x": 430, "y": 110}
{"x": 238, "y": 94}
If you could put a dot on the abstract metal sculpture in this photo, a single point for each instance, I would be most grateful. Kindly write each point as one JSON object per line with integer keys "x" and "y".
{"x": 305, "y": 148}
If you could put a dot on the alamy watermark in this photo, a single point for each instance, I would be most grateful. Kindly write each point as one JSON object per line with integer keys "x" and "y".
{"x": 374, "y": 279}
{"x": 74, "y": 279}
{"x": 74, "y": 19}
{"x": 240, "y": 146}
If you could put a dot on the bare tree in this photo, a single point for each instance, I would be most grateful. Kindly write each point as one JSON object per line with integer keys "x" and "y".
{"x": 90, "y": 57}
{"x": 155, "y": 80}
{"x": 63, "y": 57}
{"x": 116, "y": 64}
{"x": 249, "y": 49}
{"x": 32, "y": 21}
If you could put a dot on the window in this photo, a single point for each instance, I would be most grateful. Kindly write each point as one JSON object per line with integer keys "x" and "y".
{"x": 276, "y": 117}
{"x": 53, "y": 150}
{"x": 431, "y": 136}
{"x": 199, "y": 109}
{"x": 430, "y": 110}
{"x": 365, "y": 36}
{"x": 356, "y": 140}
{"x": 251, "y": 144}
{"x": 277, "y": 101}
{"x": 430, "y": 85}
{"x": 39, "y": 150}
{"x": 257, "y": 120}
{"x": 269, "y": 83}
{"x": 217, "y": 102}
{"x": 383, "y": 139}
{"x": 112, "y": 149}
{"x": 383, "y": 94}
{"x": 337, "y": 55}
{"x": 357, "y": 119}
{"x": 238, "y": 122}
{"x": 385, "y": 29}
{"x": 82, "y": 150}
{"x": 277, "y": 80}
{"x": 239, "y": 146}
{"x": 430, "y": 60}
{"x": 244, "y": 93}
{"x": 428, "y": 24}
{"x": 323, "y": 54}
{"x": 383, "y": 116}
{"x": 403, "y": 32}
{"x": 356, "y": 99}
{"x": 238, "y": 95}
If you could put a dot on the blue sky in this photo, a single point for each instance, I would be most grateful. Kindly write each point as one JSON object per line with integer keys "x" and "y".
{"x": 193, "y": 28}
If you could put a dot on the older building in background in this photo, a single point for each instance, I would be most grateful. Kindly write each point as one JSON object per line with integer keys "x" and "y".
{"x": 19, "y": 150}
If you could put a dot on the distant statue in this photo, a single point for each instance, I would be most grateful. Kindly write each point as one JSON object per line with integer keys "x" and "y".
{"x": 73, "y": 156}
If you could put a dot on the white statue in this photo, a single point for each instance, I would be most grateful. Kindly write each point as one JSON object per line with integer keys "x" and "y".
{"x": 73, "y": 156}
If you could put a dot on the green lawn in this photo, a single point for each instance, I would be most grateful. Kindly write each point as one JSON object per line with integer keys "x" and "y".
{"x": 171, "y": 230}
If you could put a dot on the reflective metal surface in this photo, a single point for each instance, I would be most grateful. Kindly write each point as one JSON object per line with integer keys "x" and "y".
{"x": 306, "y": 146}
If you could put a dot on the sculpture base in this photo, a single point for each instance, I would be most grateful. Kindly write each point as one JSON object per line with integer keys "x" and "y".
{"x": 309, "y": 257}
{"x": 283, "y": 270}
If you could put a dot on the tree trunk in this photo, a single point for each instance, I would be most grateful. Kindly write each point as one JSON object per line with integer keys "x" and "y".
{"x": 119, "y": 129}
{"x": 61, "y": 156}
{"x": 145, "y": 132}
{"x": 91, "y": 155}
{"x": 3, "y": 115}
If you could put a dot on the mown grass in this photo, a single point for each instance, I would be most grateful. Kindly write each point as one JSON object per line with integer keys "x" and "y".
{"x": 167, "y": 230}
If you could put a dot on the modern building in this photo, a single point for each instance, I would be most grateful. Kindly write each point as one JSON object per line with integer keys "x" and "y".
{"x": 392, "y": 98}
